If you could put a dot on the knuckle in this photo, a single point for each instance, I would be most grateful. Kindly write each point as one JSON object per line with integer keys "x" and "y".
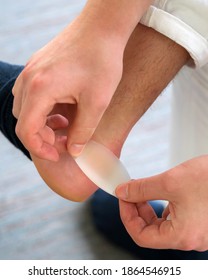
{"x": 37, "y": 82}
{"x": 26, "y": 72}
{"x": 21, "y": 133}
{"x": 18, "y": 131}
{"x": 34, "y": 79}
{"x": 14, "y": 90}
{"x": 14, "y": 112}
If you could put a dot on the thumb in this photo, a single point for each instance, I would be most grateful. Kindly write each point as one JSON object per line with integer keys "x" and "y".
{"x": 151, "y": 188}
{"x": 82, "y": 129}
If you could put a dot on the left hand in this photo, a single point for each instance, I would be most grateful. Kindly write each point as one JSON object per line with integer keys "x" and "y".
{"x": 186, "y": 189}
{"x": 78, "y": 66}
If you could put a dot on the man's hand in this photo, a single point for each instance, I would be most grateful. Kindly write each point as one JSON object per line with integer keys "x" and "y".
{"x": 74, "y": 68}
{"x": 82, "y": 66}
{"x": 186, "y": 189}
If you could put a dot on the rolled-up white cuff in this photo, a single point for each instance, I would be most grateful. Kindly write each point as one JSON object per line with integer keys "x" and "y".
{"x": 178, "y": 31}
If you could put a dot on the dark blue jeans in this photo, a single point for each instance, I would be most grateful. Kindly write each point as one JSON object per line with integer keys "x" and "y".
{"x": 8, "y": 75}
{"x": 104, "y": 208}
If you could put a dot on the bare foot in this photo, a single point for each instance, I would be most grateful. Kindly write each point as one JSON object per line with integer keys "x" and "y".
{"x": 65, "y": 177}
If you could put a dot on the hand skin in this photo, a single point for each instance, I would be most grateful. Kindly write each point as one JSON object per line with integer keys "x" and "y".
{"x": 186, "y": 189}
{"x": 83, "y": 66}
{"x": 150, "y": 61}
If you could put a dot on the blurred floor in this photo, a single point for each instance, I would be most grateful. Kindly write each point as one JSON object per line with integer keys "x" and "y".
{"x": 35, "y": 223}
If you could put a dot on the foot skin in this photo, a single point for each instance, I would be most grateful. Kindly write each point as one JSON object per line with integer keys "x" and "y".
{"x": 140, "y": 85}
{"x": 65, "y": 177}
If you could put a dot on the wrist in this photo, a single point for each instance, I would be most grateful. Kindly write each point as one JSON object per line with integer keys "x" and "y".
{"x": 112, "y": 19}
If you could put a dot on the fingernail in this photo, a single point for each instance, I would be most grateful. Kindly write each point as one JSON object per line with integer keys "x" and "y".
{"x": 122, "y": 192}
{"x": 76, "y": 149}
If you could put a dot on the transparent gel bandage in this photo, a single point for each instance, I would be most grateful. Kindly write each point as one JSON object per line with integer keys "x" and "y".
{"x": 102, "y": 167}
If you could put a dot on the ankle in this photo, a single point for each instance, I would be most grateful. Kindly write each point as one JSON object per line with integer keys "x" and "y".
{"x": 113, "y": 145}
{"x": 113, "y": 137}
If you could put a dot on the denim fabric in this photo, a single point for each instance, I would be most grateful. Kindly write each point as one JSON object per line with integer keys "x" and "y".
{"x": 8, "y": 75}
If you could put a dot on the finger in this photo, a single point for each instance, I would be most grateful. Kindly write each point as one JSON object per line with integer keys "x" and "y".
{"x": 57, "y": 121}
{"x": 157, "y": 234}
{"x": 32, "y": 130}
{"x": 83, "y": 127}
{"x": 152, "y": 188}
{"x": 43, "y": 149}
{"x": 166, "y": 212}
{"x": 61, "y": 144}
{"x": 17, "y": 85}
{"x": 146, "y": 211}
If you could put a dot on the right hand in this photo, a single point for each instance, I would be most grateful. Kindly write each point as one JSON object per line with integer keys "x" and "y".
{"x": 186, "y": 188}
{"x": 79, "y": 67}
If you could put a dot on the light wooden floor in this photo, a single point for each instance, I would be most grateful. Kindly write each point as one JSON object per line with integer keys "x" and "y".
{"x": 35, "y": 223}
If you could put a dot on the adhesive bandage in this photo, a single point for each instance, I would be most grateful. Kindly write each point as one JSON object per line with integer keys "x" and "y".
{"x": 102, "y": 167}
